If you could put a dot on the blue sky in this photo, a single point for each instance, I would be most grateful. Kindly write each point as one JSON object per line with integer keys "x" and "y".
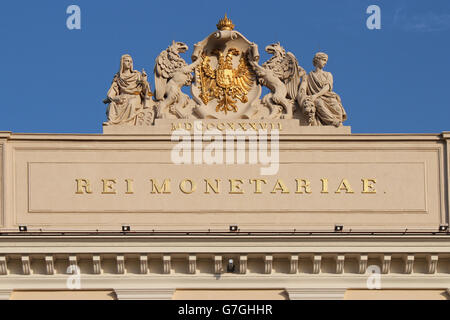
{"x": 393, "y": 80}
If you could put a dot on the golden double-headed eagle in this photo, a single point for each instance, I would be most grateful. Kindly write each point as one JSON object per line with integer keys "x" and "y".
{"x": 225, "y": 84}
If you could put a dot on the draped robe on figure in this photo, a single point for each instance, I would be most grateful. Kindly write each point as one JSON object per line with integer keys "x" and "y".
{"x": 131, "y": 92}
{"x": 329, "y": 109}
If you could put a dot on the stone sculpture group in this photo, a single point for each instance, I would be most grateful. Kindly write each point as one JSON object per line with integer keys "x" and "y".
{"x": 225, "y": 78}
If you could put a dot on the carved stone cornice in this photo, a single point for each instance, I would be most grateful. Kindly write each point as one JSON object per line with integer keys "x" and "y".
{"x": 167, "y": 264}
{"x": 96, "y": 264}
{"x": 192, "y": 264}
{"x": 317, "y": 261}
{"x": 362, "y": 262}
{"x": 143, "y": 263}
{"x": 268, "y": 264}
{"x": 26, "y": 270}
{"x": 386, "y": 263}
{"x": 340, "y": 259}
{"x": 432, "y": 261}
{"x": 293, "y": 264}
{"x": 409, "y": 263}
{"x": 242, "y": 264}
{"x": 3, "y": 266}
{"x": 50, "y": 265}
{"x": 218, "y": 265}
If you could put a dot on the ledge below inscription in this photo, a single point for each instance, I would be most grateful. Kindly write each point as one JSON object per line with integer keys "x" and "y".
{"x": 164, "y": 126}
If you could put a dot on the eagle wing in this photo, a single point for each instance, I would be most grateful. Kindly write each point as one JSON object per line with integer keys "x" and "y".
{"x": 207, "y": 80}
{"x": 243, "y": 77}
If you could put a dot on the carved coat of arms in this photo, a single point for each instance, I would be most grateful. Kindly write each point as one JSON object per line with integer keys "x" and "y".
{"x": 226, "y": 84}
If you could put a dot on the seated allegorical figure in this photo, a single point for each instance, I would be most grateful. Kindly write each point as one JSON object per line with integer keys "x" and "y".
{"x": 317, "y": 88}
{"x": 129, "y": 97}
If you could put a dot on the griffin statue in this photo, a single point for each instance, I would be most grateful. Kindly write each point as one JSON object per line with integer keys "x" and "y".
{"x": 171, "y": 74}
{"x": 282, "y": 75}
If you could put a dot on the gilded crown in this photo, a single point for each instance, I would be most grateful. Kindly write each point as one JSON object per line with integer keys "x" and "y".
{"x": 225, "y": 24}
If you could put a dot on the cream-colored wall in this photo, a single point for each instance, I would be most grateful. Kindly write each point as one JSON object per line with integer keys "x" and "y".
{"x": 409, "y": 172}
{"x": 63, "y": 295}
{"x": 409, "y": 294}
{"x": 230, "y": 295}
{"x": 411, "y": 169}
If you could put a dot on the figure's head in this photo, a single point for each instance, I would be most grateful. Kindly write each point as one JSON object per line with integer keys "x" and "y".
{"x": 320, "y": 60}
{"x": 276, "y": 49}
{"x": 178, "y": 47}
{"x": 126, "y": 63}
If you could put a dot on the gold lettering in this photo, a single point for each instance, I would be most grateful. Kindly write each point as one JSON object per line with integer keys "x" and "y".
{"x": 199, "y": 125}
{"x": 263, "y": 125}
{"x": 83, "y": 184}
{"x": 165, "y": 188}
{"x": 188, "y": 126}
{"x": 236, "y": 186}
{"x": 108, "y": 186}
{"x": 324, "y": 185}
{"x": 176, "y": 126}
{"x": 183, "y": 186}
{"x": 280, "y": 128}
{"x": 345, "y": 185}
{"x": 243, "y": 126}
{"x": 232, "y": 126}
{"x": 258, "y": 184}
{"x": 280, "y": 186}
{"x": 253, "y": 125}
{"x": 209, "y": 128}
{"x": 368, "y": 185}
{"x": 219, "y": 126}
{"x": 130, "y": 189}
{"x": 214, "y": 188}
{"x": 303, "y": 184}
{"x": 272, "y": 125}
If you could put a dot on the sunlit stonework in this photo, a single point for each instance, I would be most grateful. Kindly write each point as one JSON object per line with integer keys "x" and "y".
{"x": 225, "y": 83}
{"x": 225, "y": 78}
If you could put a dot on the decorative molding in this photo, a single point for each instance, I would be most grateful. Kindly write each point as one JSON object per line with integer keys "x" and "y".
{"x": 73, "y": 263}
{"x": 268, "y": 264}
{"x": 3, "y": 266}
{"x": 316, "y": 293}
{"x": 386, "y": 264}
{"x": 26, "y": 265}
{"x": 317, "y": 261}
{"x": 340, "y": 259}
{"x": 432, "y": 261}
{"x": 409, "y": 263}
{"x": 362, "y": 261}
{"x": 192, "y": 264}
{"x": 120, "y": 264}
{"x": 50, "y": 265}
{"x": 243, "y": 264}
{"x": 97, "y": 264}
{"x": 144, "y": 294}
{"x": 218, "y": 267}
{"x": 143, "y": 263}
{"x": 293, "y": 264}
{"x": 167, "y": 264}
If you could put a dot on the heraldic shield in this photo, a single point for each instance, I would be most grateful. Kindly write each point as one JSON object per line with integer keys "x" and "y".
{"x": 225, "y": 84}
